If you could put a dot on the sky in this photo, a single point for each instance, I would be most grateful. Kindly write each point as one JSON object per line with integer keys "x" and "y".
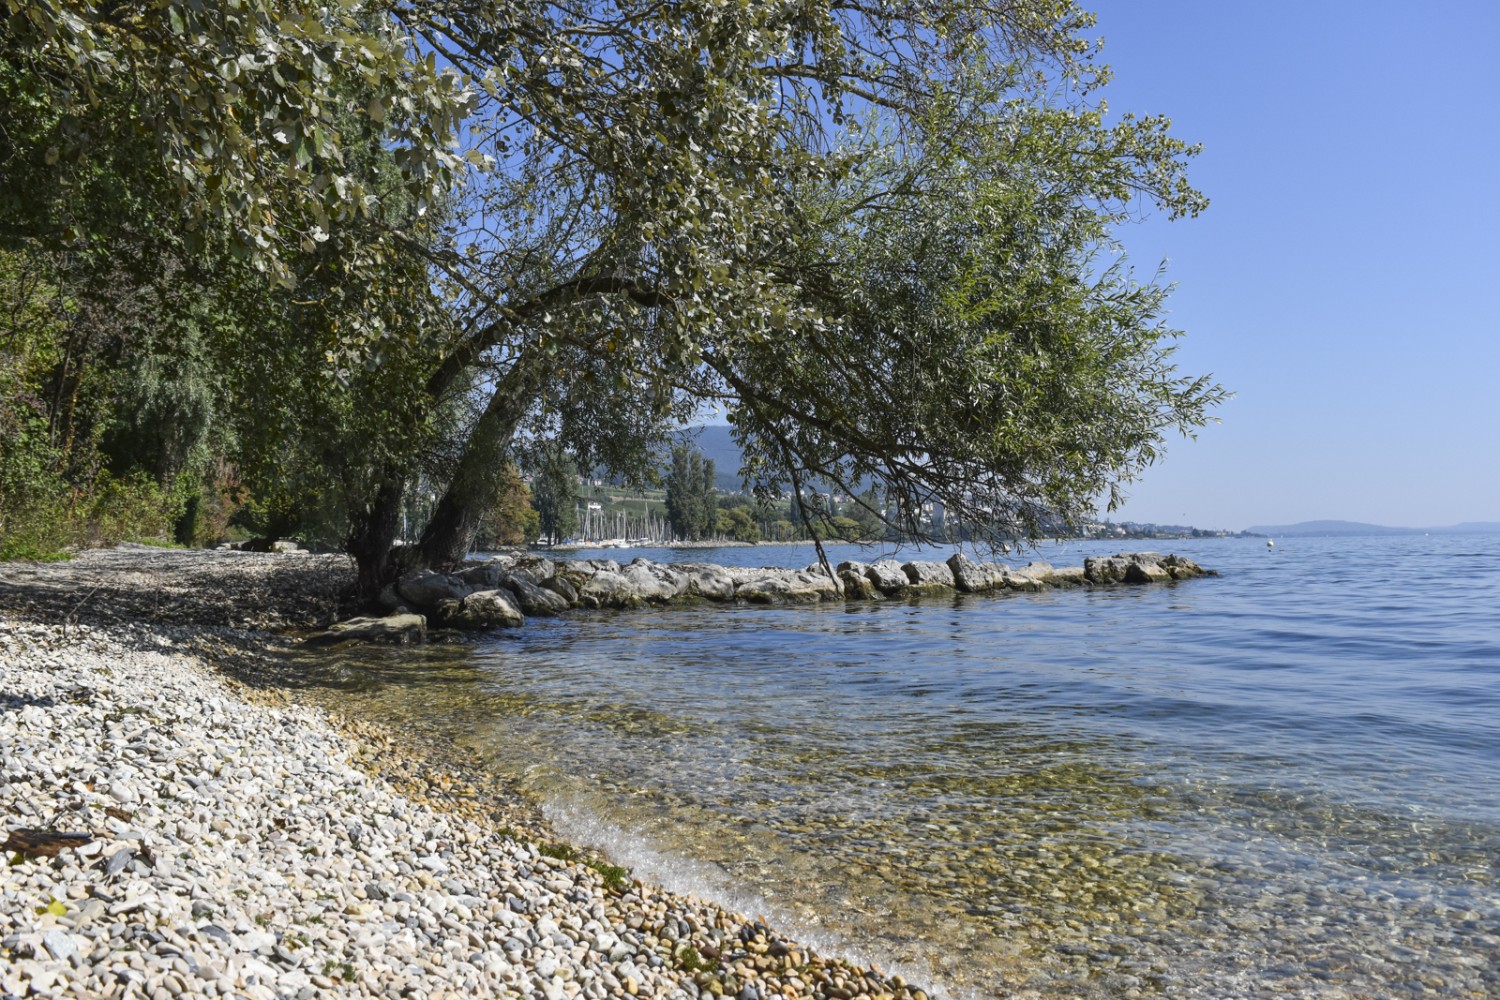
{"x": 1342, "y": 281}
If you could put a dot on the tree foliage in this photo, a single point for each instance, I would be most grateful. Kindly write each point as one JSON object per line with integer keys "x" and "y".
{"x": 880, "y": 236}
{"x": 691, "y": 504}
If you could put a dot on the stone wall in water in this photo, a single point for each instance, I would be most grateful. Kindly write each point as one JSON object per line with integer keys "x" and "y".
{"x": 503, "y": 591}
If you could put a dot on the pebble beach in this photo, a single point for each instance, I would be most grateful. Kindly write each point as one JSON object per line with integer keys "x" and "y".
{"x": 177, "y": 824}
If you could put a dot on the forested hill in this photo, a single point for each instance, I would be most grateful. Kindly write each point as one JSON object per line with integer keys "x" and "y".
{"x": 1309, "y": 529}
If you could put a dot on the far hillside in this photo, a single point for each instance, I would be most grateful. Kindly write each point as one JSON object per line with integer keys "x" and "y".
{"x": 1331, "y": 529}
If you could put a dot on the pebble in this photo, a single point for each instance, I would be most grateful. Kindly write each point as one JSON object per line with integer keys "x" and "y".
{"x": 234, "y": 839}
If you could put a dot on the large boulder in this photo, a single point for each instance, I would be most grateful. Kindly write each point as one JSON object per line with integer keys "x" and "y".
{"x": 857, "y": 585}
{"x": 537, "y": 569}
{"x": 487, "y": 575}
{"x": 535, "y": 600}
{"x": 972, "y": 577}
{"x": 397, "y": 629}
{"x": 1140, "y": 567}
{"x": 789, "y": 586}
{"x": 928, "y": 576}
{"x": 427, "y": 590}
{"x": 705, "y": 580}
{"x": 560, "y": 586}
{"x": 1034, "y": 576}
{"x": 1182, "y": 568}
{"x": 482, "y": 609}
{"x": 887, "y": 576}
{"x": 606, "y": 589}
{"x": 652, "y": 583}
{"x": 1067, "y": 576}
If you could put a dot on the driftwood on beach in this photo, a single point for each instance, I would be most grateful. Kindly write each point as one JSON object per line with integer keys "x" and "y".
{"x": 503, "y": 591}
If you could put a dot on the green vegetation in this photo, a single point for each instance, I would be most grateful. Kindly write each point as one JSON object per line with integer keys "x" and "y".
{"x": 691, "y": 504}
{"x": 368, "y": 261}
{"x": 616, "y": 879}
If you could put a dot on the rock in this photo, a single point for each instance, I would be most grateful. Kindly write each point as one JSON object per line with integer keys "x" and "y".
{"x": 286, "y": 547}
{"x": 928, "y": 576}
{"x": 972, "y": 577}
{"x": 1068, "y": 576}
{"x": 704, "y": 580}
{"x": 487, "y": 575}
{"x": 535, "y": 600}
{"x": 537, "y": 569}
{"x": 60, "y": 944}
{"x": 427, "y": 590}
{"x": 562, "y": 588}
{"x": 1182, "y": 568}
{"x": 783, "y": 586}
{"x": 399, "y": 629}
{"x": 652, "y": 583}
{"x": 857, "y": 585}
{"x": 607, "y": 589}
{"x": 389, "y": 600}
{"x": 483, "y": 609}
{"x": 1140, "y": 567}
{"x": 1034, "y": 577}
{"x": 1146, "y": 572}
{"x": 887, "y": 576}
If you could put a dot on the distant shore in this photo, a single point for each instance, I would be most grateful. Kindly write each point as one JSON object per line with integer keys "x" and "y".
{"x": 242, "y": 839}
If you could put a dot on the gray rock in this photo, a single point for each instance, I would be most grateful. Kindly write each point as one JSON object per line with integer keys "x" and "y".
{"x": 483, "y": 609}
{"x": 1182, "y": 568}
{"x": 60, "y": 944}
{"x": 857, "y": 585}
{"x": 773, "y": 586}
{"x": 426, "y": 590}
{"x": 399, "y": 629}
{"x": 1140, "y": 567}
{"x": 487, "y": 575}
{"x": 1034, "y": 576}
{"x": 537, "y": 569}
{"x": 1067, "y": 576}
{"x": 389, "y": 600}
{"x": 928, "y": 576}
{"x": 535, "y": 600}
{"x": 713, "y": 583}
{"x": 972, "y": 577}
{"x": 562, "y": 588}
{"x": 607, "y": 589}
{"x": 887, "y": 576}
{"x": 652, "y": 583}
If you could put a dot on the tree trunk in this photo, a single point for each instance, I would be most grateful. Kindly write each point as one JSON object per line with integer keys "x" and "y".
{"x": 475, "y": 486}
{"x": 373, "y": 535}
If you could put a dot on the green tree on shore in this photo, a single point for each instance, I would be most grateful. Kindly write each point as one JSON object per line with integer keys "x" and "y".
{"x": 554, "y": 492}
{"x": 692, "y": 509}
{"x": 878, "y": 236}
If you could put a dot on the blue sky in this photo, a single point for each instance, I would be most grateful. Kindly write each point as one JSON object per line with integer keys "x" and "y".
{"x": 1342, "y": 283}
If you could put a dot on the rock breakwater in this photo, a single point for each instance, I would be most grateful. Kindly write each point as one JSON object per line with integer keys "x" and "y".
{"x": 504, "y": 590}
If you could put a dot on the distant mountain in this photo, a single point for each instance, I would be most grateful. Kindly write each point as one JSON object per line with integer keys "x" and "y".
{"x": 1326, "y": 529}
{"x": 715, "y": 443}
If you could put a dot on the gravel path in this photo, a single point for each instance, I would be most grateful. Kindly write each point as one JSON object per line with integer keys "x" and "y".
{"x": 230, "y": 843}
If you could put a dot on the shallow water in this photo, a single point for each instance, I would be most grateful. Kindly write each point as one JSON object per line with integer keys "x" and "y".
{"x": 1282, "y": 781}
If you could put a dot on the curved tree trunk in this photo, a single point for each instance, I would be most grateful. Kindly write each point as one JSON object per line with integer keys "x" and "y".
{"x": 475, "y": 486}
{"x": 373, "y": 535}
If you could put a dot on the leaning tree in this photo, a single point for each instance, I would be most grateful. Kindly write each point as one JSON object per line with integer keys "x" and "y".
{"x": 877, "y": 233}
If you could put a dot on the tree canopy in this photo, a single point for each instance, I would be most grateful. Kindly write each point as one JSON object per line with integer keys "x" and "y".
{"x": 880, "y": 236}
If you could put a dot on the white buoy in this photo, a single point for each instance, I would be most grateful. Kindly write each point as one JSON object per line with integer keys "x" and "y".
{"x": 1270, "y": 544}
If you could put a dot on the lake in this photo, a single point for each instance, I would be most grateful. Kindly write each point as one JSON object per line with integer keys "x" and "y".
{"x": 1282, "y": 781}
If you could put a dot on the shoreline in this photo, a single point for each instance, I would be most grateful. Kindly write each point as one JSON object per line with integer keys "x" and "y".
{"x": 247, "y": 840}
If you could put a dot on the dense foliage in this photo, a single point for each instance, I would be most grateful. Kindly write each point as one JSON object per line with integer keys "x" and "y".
{"x": 691, "y": 504}
{"x": 409, "y": 244}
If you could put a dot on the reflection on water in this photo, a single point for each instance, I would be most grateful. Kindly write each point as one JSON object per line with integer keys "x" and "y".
{"x": 1229, "y": 787}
